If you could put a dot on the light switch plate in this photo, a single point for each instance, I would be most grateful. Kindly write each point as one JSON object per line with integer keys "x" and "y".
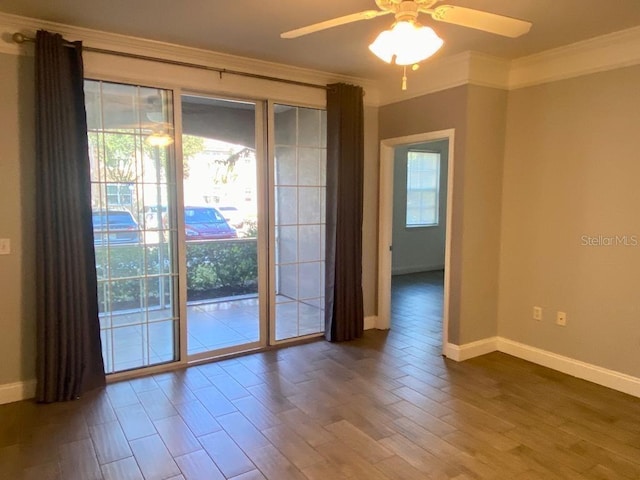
{"x": 5, "y": 246}
{"x": 537, "y": 313}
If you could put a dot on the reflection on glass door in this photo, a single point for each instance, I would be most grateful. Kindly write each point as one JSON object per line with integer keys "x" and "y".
{"x": 300, "y": 181}
{"x": 130, "y": 134}
{"x": 220, "y": 190}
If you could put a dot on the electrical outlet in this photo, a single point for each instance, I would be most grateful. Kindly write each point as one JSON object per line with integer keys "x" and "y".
{"x": 5, "y": 246}
{"x": 561, "y": 319}
{"x": 537, "y": 313}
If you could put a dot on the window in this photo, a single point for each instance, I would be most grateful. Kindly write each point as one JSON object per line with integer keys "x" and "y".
{"x": 423, "y": 186}
{"x": 300, "y": 189}
{"x": 131, "y": 182}
{"x": 119, "y": 194}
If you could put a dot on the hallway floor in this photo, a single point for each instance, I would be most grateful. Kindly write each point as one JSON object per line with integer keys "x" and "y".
{"x": 386, "y": 406}
{"x": 416, "y": 306}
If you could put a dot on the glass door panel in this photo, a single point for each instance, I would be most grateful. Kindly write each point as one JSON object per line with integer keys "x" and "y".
{"x": 220, "y": 190}
{"x": 300, "y": 187}
{"x": 132, "y": 176}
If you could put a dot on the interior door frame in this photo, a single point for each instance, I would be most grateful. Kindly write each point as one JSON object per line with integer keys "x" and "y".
{"x": 385, "y": 231}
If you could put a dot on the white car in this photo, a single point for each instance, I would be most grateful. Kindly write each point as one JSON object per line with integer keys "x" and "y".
{"x": 232, "y": 215}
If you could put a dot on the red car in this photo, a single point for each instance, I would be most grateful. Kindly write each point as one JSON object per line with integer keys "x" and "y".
{"x": 206, "y": 223}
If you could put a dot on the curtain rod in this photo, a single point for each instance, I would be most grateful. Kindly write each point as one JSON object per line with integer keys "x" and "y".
{"x": 20, "y": 38}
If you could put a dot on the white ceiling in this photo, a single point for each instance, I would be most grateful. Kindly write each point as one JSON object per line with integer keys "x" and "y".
{"x": 251, "y": 28}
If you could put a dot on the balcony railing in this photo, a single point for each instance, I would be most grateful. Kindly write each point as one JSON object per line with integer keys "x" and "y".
{"x": 138, "y": 276}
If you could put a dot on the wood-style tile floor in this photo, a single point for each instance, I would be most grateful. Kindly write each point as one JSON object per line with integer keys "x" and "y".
{"x": 387, "y": 406}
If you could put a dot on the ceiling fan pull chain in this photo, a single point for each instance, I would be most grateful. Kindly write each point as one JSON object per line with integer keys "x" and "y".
{"x": 404, "y": 77}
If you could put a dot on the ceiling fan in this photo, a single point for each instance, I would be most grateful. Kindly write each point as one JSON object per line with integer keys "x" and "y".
{"x": 408, "y": 42}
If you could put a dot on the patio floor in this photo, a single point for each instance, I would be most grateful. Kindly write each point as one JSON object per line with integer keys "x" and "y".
{"x": 132, "y": 340}
{"x": 217, "y": 325}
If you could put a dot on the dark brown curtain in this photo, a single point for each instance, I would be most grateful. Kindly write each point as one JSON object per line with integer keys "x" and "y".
{"x": 344, "y": 317}
{"x": 69, "y": 354}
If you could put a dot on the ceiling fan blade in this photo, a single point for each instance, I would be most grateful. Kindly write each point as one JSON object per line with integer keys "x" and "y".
{"x": 335, "y": 22}
{"x": 485, "y": 21}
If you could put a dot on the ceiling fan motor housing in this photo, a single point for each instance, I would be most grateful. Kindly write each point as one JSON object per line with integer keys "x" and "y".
{"x": 407, "y": 12}
{"x": 395, "y": 5}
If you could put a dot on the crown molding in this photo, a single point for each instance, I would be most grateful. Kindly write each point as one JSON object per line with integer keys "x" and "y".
{"x": 488, "y": 71}
{"x": 437, "y": 75}
{"x": 599, "y": 54}
{"x": 434, "y": 76}
{"x": 449, "y": 72}
{"x": 9, "y": 24}
{"x": 607, "y": 52}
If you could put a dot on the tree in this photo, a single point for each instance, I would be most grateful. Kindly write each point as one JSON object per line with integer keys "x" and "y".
{"x": 227, "y": 173}
{"x": 191, "y": 146}
{"x": 118, "y": 156}
{"x": 120, "y": 151}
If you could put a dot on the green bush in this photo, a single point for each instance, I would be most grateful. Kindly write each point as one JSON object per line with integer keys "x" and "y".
{"x": 201, "y": 277}
{"x": 232, "y": 263}
{"x": 250, "y": 228}
{"x": 214, "y": 269}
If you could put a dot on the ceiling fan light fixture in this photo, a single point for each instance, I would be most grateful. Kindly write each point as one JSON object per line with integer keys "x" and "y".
{"x": 406, "y": 43}
{"x": 159, "y": 139}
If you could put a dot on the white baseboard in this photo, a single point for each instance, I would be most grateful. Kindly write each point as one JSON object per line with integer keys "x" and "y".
{"x": 576, "y": 368}
{"x": 14, "y": 392}
{"x": 460, "y": 353}
{"x": 370, "y": 322}
{"x": 602, "y": 376}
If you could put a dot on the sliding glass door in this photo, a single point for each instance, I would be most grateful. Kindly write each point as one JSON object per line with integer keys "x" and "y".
{"x": 132, "y": 182}
{"x": 230, "y": 257}
{"x": 222, "y": 153}
{"x": 299, "y": 221}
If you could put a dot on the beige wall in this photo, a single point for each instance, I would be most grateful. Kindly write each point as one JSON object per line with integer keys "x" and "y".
{"x": 430, "y": 113}
{"x": 17, "y": 290}
{"x": 572, "y": 168}
{"x": 486, "y": 122}
{"x": 477, "y": 115}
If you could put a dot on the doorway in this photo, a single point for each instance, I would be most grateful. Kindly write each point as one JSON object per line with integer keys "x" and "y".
{"x": 223, "y": 245}
{"x": 253, "y": 223}
{"x": 422, "y": 169}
